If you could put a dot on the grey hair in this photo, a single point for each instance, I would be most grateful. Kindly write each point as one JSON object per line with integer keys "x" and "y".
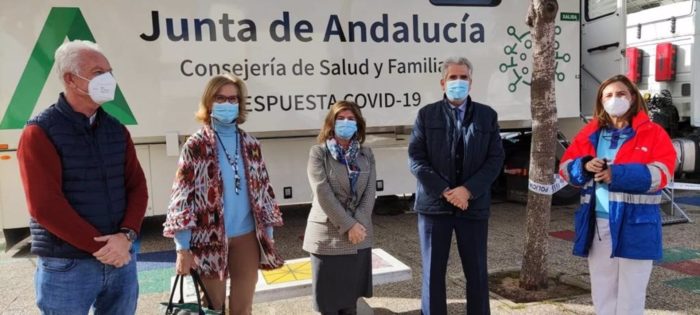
{"x": 67, "y": 56}
{"x": 456, "y": 61}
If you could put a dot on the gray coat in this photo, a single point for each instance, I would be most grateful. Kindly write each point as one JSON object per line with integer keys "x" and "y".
{"x": 334, "y": 211}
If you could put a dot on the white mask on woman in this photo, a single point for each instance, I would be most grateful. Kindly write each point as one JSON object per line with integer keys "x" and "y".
{"x": 616, "y": 106}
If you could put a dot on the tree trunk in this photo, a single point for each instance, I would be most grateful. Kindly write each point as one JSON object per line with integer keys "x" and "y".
{"x": 541, "y": 17}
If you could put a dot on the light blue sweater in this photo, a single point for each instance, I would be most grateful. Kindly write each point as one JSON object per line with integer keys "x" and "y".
{"x": 238, "y": 219}
{"x": 609, "y": 142}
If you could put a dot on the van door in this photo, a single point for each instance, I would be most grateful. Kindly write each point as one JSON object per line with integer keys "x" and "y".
{"x": 602, "y": 46}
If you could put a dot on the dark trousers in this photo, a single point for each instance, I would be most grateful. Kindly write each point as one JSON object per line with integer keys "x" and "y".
{"x": 435, "y": 232}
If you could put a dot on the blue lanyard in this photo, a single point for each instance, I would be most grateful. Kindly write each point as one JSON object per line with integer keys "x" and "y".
{"x": 232, "y": 162}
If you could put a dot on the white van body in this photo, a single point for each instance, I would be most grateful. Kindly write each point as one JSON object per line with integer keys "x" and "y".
{"x": 297, "y": 58}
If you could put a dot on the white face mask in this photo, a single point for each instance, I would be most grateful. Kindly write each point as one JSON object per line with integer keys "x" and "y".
{"x": 616, "y": 106}
{"x": 101, "y": 88}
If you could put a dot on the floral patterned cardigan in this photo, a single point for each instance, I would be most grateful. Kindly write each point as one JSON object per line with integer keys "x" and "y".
{"x": 196, "y": 202}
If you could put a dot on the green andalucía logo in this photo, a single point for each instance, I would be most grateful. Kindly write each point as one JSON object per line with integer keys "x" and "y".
{"x": 517, "y": 57}
{"x": 61, "y": 23}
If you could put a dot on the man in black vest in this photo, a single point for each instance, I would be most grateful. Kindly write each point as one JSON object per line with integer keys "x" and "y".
{"x": 85, "y": 190}
{"x": 456, "y": 153}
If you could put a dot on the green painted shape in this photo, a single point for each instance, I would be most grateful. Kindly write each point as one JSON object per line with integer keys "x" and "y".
{"x": 155, "y": 281}
{"x": 119, "y": 108}
{"x": 37, "y": 69}
{"x": 691, "y": 284}
{"x": 569, "y": 16}
{"x": 61, "y": 23}
{"x": 672, "y": 255}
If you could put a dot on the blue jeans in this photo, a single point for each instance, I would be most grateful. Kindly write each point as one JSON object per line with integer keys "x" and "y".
{"x": 74, "y": 286}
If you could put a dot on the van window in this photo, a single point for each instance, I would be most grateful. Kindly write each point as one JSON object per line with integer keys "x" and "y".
{"x": 599, "y": 8}
{"x": 679, "y": 9}
{"x": 466, "y": 3}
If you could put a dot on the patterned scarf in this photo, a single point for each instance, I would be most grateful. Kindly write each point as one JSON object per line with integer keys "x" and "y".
{"x": 348, "y": 158}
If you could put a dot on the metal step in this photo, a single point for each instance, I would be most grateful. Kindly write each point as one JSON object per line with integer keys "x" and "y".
{"x": 671, "y": 212}
{"x": 670, "y": 220}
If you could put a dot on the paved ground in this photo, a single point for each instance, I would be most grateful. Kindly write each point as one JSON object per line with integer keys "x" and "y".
{"x": 674, "y": 287}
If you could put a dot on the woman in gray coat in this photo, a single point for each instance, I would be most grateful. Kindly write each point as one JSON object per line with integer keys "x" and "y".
{"x": 338, "y": 233}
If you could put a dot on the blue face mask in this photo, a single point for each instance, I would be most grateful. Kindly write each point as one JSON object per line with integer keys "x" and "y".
{"x": 457, "y": 90}
{"x": 225, "y": 112}
{"x": 345, "y": 128}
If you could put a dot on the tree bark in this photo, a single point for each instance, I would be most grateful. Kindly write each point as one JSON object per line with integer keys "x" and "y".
{"x": 541, "y": 17}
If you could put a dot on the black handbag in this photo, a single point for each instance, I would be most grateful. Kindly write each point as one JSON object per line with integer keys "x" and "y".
{"x": 182, "y": 308}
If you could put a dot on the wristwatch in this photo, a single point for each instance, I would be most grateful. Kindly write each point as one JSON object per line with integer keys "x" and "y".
{"x": 130, "y": 234}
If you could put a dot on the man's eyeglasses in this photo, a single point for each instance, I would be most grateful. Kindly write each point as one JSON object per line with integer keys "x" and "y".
{"x": 222, "y": 98}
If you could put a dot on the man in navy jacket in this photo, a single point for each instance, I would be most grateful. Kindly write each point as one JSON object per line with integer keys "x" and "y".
{"x": 86, "y": 192}
{"x": 455, "y": 153}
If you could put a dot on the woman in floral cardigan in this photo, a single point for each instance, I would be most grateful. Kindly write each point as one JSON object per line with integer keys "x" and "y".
{"x": 222, "y": 208}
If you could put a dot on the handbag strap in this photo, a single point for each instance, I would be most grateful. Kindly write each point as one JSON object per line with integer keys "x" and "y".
{"x": 169, "y": 309}
{"x": 182, "y": 290}
{"x": 199, "y": 283}
{"x": 196, "y": 281}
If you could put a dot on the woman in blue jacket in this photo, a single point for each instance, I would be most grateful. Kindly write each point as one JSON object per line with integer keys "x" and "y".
{"x": 621, "y": 160}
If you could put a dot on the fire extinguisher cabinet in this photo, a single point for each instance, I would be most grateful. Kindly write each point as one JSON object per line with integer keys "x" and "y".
{"x": 634, "y": 64}
{"x": 665, "y": 62}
